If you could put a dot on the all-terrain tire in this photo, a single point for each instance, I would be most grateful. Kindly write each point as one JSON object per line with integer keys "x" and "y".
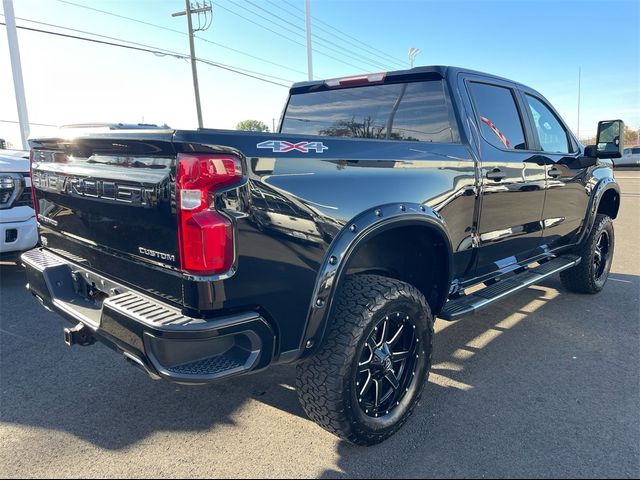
{"x": 326, "y": 382}
{"x": 590, "y": 276}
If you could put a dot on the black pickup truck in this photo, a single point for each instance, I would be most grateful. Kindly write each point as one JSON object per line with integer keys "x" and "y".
{"x": 383, "y": 201}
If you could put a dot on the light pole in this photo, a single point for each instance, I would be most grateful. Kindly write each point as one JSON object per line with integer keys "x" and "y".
{"x": 194, "y": 70}
{"x": 413, "y": 53}
{"x": 307, "y": 14}
{"x": 579, "y": 78}
{"x": 16, "y": 69}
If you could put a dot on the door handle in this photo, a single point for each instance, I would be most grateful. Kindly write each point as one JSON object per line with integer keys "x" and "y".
{"x": 496, "y": 175}
{"x": 554, "y": 172}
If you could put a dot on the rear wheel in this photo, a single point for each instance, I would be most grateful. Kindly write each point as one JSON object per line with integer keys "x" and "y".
{"x": 369, "y": 374}
{"x": 591, "y": 274}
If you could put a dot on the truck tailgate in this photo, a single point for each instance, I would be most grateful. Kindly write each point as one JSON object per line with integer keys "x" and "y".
{"x": 109, "y": 202}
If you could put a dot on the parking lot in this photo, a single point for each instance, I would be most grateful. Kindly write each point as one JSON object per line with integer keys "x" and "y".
{"x": 545, "y": 384}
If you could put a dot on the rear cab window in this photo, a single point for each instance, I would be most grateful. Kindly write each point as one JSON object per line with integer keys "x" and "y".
{"x": 414, "y": 111}
{"x": 500, "y": 121}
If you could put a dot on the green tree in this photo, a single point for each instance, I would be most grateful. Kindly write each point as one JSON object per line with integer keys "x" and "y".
{"x": 631, "y": 137}
{"x": 252, "y": 126}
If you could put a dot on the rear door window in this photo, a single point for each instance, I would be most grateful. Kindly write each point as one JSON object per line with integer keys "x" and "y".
{"x": 415, "y": 111}
{"x": 499, "y": 117}
{"x": 552, "y": 135}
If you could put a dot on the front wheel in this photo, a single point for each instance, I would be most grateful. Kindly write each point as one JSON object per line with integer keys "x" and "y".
{"x": 596, "y": 252}
{"x": 369, "y": 374}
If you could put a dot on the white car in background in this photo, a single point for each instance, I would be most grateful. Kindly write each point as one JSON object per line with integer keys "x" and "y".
{"x": 18, "y": 230}
{"x": 630, "y": 158}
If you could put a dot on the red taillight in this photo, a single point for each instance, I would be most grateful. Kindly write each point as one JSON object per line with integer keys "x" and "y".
{"x": 205, "y": 236}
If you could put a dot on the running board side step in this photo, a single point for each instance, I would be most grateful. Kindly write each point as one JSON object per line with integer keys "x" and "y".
{"x": 468, "y": 304}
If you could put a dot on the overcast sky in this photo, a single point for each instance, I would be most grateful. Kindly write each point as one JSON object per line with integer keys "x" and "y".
{"x": 541, "y": 44}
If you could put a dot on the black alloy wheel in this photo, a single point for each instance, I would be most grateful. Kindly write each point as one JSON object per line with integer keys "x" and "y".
{"x": 387, "y": 364}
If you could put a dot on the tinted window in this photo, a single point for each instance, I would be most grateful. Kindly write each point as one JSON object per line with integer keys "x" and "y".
{"x": 635, "y": 150}
{"x": 552, "y": 135}
{"x": 499, "y": 118}
{"x": 401, "y": 111}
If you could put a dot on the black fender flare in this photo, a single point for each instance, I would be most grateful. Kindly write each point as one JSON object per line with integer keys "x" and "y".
{"x": 360, "y": 229}
{"x": 598, "y": 191}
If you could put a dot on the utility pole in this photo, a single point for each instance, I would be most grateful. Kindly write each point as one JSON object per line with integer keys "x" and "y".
{"x": 16, "y": 69}
{"x": 194, "y": 69}
{"x": 579, "y": 75}
{"x": 307, "y": 12}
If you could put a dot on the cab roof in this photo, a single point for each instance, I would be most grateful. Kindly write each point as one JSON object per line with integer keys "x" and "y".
{"x": 430, "y": 72}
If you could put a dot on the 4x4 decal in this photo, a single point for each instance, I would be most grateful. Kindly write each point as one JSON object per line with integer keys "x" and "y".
{"x": 281, "y": 146}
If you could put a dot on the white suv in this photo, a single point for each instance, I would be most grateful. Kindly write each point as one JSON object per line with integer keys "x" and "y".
{"x": 18, "y": 230}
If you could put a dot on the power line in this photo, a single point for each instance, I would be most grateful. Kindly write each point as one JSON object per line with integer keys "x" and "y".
{"x": 225, "y": 67}
{"x": 338, "y": 51}
{"x": 358, "y": 55}
{"x": 148, "y": 50}
{"x": 30, "y": 123}
{"x": 168, "y": 52}
{"x": 155, "y": 51}
{"x": 265, "y": 18}
{"x": 139, "y": 44}
{"x": 225, "y": 46}
{"x": 85, "y": 32}
{"x": 279, "y": 34}
{"x": 258, "y": 24}
{"x": 173, "y": 30}
{"x": 274, "y": 15}
{"x": 379, "y": 52}
{"x": 341, "y": 49}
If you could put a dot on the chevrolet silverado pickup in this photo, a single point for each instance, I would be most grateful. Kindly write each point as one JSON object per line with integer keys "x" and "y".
{"x": 384, "y": 200}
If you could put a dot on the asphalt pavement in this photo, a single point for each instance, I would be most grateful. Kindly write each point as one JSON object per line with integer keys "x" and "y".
{"x": 544, "y": 384}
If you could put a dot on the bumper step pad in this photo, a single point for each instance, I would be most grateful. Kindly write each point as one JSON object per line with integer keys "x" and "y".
{"x": 152, "y": 334}
{"x": 150, "y": 312}
{"x": 225, "y": 363}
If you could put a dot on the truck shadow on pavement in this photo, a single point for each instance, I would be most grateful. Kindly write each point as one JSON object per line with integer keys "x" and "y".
{"x": 529, "y": 382}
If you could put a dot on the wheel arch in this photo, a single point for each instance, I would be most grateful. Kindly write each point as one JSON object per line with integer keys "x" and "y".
{"x": 609, "y": 203}
{"x": 370, "y": 232}
{"x": 605, "y": 198}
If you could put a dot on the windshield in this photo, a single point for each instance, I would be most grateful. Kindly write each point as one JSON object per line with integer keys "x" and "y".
{"x": 402, "y": 111}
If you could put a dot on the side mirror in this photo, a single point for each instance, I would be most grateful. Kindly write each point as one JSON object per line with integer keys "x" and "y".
{"x": 609, "y": 141}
